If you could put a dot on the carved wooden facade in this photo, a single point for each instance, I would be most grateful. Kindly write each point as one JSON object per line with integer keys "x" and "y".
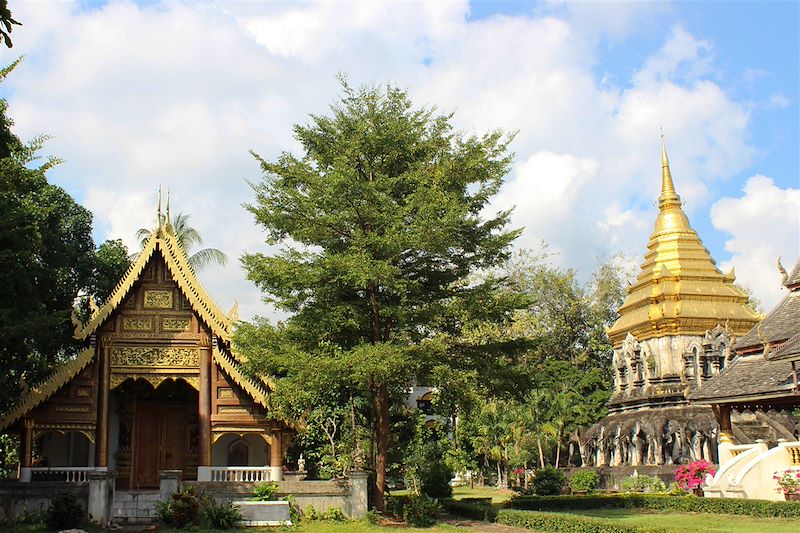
{"x": 159, "y": 367}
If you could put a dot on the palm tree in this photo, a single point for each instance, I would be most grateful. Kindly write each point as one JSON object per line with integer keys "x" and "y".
{"x": 187, "y": 237}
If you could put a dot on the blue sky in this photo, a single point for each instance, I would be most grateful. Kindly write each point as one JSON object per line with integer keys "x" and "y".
{"x": 176, "y": 93}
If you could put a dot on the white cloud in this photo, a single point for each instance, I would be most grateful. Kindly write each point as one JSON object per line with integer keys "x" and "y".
{"x": 177, "y": 93}
{"x": 764, "y": 224}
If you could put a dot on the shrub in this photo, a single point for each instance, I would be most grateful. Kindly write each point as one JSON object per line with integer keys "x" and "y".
{"x": 584, "y": 481}
{"x": 549, "y": 481}
{"x": 661, "y": 502}
{"x": 693, "y": 476}
{"x": 265, "y": 492}
{"x": 64, "y": 512}
{"x": 643, "y": 483}
{"x": 295, "y": 514}
{"x": 310, "y": 513}
{"x": 788, "y": 481}
{"x": 565, "y": 522}
{"x": 333, "y": 514}
{"x": 181, "y": 510}
{"x": 395, "y": 504}
{"x": 221, "y": 516}
{"x": 435, "y": 480}
{"x": 421, "y": 511}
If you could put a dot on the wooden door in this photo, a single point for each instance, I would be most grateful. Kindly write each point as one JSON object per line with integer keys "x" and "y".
{"x": 173, "y": 423}
{"x": 160, "y": 442}
{"x": 146, "y": 446}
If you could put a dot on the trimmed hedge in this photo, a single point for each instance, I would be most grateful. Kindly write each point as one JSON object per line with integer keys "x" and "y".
{"x": 550, "y": 522}
{"x": 660, "y": 502}
{"x": 565, "y": 523}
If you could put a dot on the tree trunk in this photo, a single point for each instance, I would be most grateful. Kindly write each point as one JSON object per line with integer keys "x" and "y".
{"x": 541, "y": 455}
{"x": 558, "y": 452}
{"x": 381, "y": 395}
{"x": 499, "y": 477}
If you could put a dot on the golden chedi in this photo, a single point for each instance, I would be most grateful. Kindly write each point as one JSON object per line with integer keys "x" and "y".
{"x": 674, "y": 332}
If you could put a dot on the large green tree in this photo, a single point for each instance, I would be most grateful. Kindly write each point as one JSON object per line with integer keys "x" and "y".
{"x": 381, "y": 223}
{"x": 47, "y": 260}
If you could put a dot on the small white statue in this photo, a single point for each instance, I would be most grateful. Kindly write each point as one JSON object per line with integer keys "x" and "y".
{"x": 301, "y": 464}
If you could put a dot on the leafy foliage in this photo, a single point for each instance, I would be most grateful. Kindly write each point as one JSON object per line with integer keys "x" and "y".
{"x": 381, "y": 227}
{"x": 181, "y": 509}
{"x": 421, "y": 510}
{"x": 111, "y": 261}
{"x": 425, "y": 469}
{"x": 661, "y": 502}
{"x": 6, "y": 23}
{"x": 692, "y": 476}
{"x": 584, "y": 481}
{"x": 549, "y": 481}
{"x": 65, "y": 512}
{"x": 264, "y": 492}
{"x": 643, "y": 483}
{"x": 46, "y": 260}
{"x": 221, "y": 516}
{"x": 189, "y": 238}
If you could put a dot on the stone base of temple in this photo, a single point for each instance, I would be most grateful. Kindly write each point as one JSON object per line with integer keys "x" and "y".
{"x": 673, "y": 435}
{"x": 611, "y": 478}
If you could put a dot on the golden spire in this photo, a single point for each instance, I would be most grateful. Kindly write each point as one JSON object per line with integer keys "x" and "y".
{"x": 679, "y": 289}
{"x": 668, "y": 194}
{"x": 670, "y": 217}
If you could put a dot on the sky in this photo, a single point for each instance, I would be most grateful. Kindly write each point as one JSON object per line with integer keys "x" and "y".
{"x": 140, "y": 94}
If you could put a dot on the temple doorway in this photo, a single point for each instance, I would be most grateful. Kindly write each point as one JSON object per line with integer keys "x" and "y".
{"x": 163, "y": 433}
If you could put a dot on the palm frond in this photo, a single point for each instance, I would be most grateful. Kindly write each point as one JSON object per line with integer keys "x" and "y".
{"x": 207, "y": 256}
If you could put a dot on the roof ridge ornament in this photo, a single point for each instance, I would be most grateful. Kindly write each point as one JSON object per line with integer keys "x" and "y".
{"x": 784, "y": 274}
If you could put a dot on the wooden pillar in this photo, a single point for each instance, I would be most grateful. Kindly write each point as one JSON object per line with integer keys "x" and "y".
{"x": 204, "y": 407}
{"x": 27, "y": 443}
{"x": 725, "y": 431}
{"x": 276, "y": 456}
{"x": 103, "y": 395}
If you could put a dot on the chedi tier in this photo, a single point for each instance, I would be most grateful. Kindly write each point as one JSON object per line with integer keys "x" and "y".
{"x": 674, "y": 333}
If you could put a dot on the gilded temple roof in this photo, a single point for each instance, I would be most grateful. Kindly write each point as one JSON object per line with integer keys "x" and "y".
{"x": 162, "y": 242}
{"x": 679, "y": 289}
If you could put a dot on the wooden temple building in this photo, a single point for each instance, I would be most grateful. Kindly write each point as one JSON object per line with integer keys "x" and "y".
{"x": 763, "y": 379}
{"x": 156, "y": 386}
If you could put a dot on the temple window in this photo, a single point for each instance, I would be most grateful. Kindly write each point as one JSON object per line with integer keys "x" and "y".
{"x": 425, "y": 403}
{"x": 238, "y": 453}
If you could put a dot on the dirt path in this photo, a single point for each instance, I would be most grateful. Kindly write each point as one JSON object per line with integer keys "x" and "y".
{"x": 483, "y": 527}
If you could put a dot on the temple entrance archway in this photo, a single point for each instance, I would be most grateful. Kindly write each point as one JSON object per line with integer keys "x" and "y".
{"x": 162, "y": 426}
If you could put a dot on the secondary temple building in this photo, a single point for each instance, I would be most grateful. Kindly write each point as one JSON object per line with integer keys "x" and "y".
{"x": 762, "y": 380}
{"x": 156, "y": 387}
{"x": 674, "y": 333}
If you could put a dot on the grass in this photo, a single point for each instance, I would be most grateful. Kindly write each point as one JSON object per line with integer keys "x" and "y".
{"x": 497, "y": 496}
{"x": 693, "y": 522}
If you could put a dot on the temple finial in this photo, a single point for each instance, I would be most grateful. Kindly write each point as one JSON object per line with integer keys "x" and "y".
{"x": 668, "y": 194}
{"x": 167, "y": 221}
{"x": 158, "y": 213}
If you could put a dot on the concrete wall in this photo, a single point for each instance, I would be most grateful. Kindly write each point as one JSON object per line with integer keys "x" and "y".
{"x": 19, "y": 498}
{"x": 321, "y": 495}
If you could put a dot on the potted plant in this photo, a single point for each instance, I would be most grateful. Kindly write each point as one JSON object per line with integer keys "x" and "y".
{"x": 788, "y": 483}
{"x": 692, "y": 477}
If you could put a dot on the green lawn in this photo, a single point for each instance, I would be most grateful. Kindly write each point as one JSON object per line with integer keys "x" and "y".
{"x": 695, "y": 522}
{"x": 497, "y": 496}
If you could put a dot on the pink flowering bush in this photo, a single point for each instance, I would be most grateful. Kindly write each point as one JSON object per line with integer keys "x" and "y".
{"x": 788, "y": 481}
{"x": 692, "y": 476}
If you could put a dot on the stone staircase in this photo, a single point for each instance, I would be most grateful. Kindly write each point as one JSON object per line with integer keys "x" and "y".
{"x": 135, "y": 506}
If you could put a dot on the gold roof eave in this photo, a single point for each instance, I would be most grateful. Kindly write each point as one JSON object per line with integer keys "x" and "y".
{"x": 163, "y": 239}
{"x": 679, "y": 289}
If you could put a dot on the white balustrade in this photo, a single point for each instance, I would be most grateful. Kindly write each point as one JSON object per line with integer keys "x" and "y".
{"x": 68, "y": 474}
{"x": 243, "y": 474}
